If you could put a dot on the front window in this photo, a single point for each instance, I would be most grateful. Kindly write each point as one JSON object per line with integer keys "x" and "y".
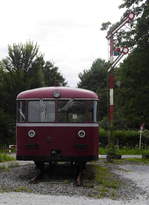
{"x": 76, "y": 111}
{"x": 56, "y": 111}
{"x": 36, "y": 111}
{"x": 41, "y": 111}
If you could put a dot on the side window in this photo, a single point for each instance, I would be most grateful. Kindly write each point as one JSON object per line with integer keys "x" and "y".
{"x": 22, "y": 111}
{"x": 95, "y": 111}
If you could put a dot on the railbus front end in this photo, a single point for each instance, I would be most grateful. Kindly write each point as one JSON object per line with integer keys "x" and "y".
{"x": 57, "y": 124}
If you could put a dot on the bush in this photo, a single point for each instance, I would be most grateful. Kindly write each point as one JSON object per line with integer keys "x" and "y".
{"x": 7, "y": 128}
{"x": 127, "y": 138}
{"x": 6, "y": 157}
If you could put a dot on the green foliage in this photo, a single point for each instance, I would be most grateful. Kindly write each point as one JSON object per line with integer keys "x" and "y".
{"x": 105, "y": 25}
{"x": 102, "y": 132}
{"x": 21, "y": 56}
{"x": 95, "y": 79}
{"x": 23, "y": 69}
{"x": 52, "y": 76}
{"x": 127, "y": 138}
{"x": 7, "y": 128}
{"x": 131, "y": 98}
{"x": 134, "y": 75}
{"x": 146, "y": 133}
{"x": 5, "y": 157}
{"x": 109, "y": 184}
{"x": 22, "y": 189}
{"x": 125, "y": 151}
{"x": 137, "y": 35}
{"x": 102, "y": 180}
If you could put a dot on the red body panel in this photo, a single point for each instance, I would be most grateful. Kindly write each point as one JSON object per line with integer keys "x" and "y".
{"x": 64, "y": 139}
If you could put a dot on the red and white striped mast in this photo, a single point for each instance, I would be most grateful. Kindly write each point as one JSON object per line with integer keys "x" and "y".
{"x": 113, "y": 63}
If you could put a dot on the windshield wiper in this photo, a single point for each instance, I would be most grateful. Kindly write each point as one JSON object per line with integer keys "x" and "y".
{"x": 67, "y": 105}
{"x": 21, "y": 113}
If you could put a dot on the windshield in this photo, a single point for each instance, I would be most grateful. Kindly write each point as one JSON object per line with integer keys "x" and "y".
{"x": 36, "y": 111}
{"x": 76, "y": 111}
{"x": 56, "y": 111}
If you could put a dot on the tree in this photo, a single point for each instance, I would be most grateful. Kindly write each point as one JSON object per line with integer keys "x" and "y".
{"x": 132, "y": 97}
{"x": 95, "y": 79}
{"x": 133, "y": 72}
{"x": 21, "y": 56}
{"x": 23, "y": 69}
{"x": 52, "y": 76}
{"x": 138, "y": 32}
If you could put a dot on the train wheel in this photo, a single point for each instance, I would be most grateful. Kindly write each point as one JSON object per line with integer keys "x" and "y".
{"x": 40, "y": 166}
{"x": 80, "y": 166}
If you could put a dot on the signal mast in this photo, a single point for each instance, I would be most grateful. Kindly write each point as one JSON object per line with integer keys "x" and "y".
{"x": 119, "y": 52}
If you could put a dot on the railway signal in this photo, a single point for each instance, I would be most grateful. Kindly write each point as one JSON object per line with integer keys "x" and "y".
{"x": 125, "y": 50}
{"x": 119, "y": 53}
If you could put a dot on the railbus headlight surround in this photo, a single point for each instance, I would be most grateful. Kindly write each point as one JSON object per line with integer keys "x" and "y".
{"x": 81, "y": 133}
{"x": 31, "y": 133}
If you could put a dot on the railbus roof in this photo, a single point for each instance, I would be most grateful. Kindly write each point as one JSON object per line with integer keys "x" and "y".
{"x": 57, "y": 92}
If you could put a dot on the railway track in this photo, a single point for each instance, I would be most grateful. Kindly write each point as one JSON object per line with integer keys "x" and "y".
{"x": 74, "y": 170}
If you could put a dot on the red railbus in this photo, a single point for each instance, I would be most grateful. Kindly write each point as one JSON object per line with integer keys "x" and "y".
{"x": 57, "y": 124}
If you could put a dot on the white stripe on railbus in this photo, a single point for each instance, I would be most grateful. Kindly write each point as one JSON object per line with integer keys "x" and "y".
{"x": 57, "y": 124}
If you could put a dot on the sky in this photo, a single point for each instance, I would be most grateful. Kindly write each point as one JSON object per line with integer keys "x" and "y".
{"x": 66, "y": 31}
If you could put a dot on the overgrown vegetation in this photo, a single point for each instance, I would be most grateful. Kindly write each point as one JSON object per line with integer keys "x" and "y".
{"x": 22, "y": 189}
{"x": 5, "y": 157}
{"x": 107, "y": 183}
{"x": 125, "y": 138}
{"x": 17, "y": 189}
{"x": 125, "y": 151}
{"x": 138, "y": 161}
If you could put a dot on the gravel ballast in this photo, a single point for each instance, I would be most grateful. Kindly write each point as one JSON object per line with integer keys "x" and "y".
{"x": 134, "y": 191}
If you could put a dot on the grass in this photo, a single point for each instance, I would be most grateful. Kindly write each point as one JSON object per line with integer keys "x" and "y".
{"x": 7, "y": 167}
{"x": 22, "y": 189}
{"x": 4, "y": 168}
{"x": 16, "y": 189}
{"x": 5, "y": 157}
{"x": 125, "y": 151}
{"x": 104, "y": 182}
{"x": 132, "y": 161}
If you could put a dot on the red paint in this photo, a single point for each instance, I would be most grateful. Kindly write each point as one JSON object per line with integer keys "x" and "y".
{"x": 61, "y": 138}
{"x": 47, "y": 92}
{"x": 111, "y": 112}
{"x": 111, "y": 80}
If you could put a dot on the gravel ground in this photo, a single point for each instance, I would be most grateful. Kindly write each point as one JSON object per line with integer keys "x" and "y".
{"x": 18, "y": 179}
{"x": 139, "y": 174}
{"x": 56, "y": 192}
{"x": 33, "y": 199}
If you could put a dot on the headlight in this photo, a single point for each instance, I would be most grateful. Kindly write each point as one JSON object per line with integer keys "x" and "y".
{"x": 81, "y": 133}
{"x": 31, "y": 133}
